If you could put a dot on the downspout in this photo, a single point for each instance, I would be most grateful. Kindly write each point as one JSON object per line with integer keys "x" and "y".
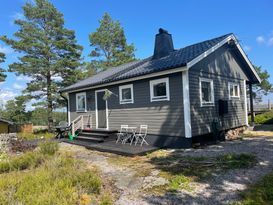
{"x": 66, "y": 100}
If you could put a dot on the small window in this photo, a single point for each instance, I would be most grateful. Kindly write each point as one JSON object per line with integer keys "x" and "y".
{"x": 126, "y": 94}
{"x": 159, "y": 89}
{"x": 81, "y": 102}
{"x": 206, "y": 92}
{"x": 234, "y": 90}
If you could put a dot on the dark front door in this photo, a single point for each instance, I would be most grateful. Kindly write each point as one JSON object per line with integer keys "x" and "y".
{"x": 101, "y": 110}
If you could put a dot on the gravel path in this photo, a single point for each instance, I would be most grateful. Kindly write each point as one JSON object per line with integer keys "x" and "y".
{"x": 222, "y": 188}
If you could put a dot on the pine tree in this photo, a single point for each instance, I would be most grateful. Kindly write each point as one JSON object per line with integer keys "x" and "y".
{"x": 50, "y": 54}
{"x": 2, "y": 75}
{"x": 109, "y": 45}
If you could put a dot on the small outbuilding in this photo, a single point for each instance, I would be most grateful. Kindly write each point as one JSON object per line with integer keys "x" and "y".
{"x": 5, "y": 125}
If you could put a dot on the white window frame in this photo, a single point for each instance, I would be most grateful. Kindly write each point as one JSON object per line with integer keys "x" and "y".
{"x": 231, "y": 95}
{"x": 124, "y": 101}
{"x": 155, "y": 82}
{"x": 206, "y": 104}
{"x": 80, "y": 94}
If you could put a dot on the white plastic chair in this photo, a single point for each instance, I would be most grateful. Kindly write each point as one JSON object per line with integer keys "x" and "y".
{"x": 122, "y": 133}
{"x": 142, "y": 135}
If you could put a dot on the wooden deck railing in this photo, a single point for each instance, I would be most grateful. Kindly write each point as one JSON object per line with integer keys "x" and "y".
{"x": 81, "y": 122}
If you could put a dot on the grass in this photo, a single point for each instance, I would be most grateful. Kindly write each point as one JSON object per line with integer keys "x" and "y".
{"x": 47, "y": 176}
{"x": 259, "y": 193}
{"x": 32, "y": 136}
{"x": 182, "y": 170}
{"x": 264, "y": 118}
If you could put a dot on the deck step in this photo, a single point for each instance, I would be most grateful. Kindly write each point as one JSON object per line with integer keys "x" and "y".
{"x": 91, "y": 134}
{"x": 89, "y": 138}
{"x": 100, "y": 131}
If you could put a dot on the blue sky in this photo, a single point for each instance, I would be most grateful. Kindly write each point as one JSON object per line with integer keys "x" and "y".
{"x": 188, "y": 21}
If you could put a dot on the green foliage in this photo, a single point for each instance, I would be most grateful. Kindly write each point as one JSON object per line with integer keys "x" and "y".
{"x": 39, "y": 116}
{"x": 32, "y": 136}
{"x": 237, "y": 161}
{"x": 61, "y": 180}
{"x": 109, "y": 45}
{"x": 264, "y": 118}
{"x": 49, "y": 147}
{"x": 179, "y": 182}
{"x": 25, "y": 161}
{"x": 265, "y": 87}
{"x": 2, "y": 75}
{"x": 16, "y": 110}
{"x": 50, "y": 53}
{"x": 259, "y": 193}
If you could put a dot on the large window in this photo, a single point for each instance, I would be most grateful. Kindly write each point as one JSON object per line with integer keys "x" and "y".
{"x": 81, "y": 102}
{"x": 234, "y": 90}
{"x": 206, "y": 92}
{"x": 126, "y": 94}
{"x": 159, "y": 89}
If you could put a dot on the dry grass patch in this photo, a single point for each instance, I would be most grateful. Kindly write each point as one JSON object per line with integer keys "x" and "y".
{"x": 249, "y": 133}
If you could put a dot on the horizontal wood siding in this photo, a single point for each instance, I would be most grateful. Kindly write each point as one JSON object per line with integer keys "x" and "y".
{"x": 223, "y": 67}
{"x": 162, "y": 118}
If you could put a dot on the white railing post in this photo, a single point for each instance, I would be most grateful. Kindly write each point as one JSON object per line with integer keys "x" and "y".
{"x": 82, "y": 122}
{"x": 73, "y": 128}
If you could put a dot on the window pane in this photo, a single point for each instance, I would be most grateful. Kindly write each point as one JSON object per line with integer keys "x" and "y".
{"x": 236, "y": 94}
{"x": 206, "y": 92}
{"x": 81, "y": 102}
{"x": 231, "y": 90}
{"x": 160, "y": 90}
{"x": 126, "y": 94}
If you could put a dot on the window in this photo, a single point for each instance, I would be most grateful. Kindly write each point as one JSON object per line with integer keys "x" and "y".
{"x": 159, "y": 89}
{"x": 206, "y": 92}
{"x": 234, "y": 90}
{"x": 81, "y": 102}
{"x": 126, "y": 94}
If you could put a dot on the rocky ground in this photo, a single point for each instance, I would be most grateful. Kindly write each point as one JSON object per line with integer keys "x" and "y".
{"x": 221, "y": 188}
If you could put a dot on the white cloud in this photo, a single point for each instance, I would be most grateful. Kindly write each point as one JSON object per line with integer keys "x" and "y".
{"x": 57, "y": 78}
{"x": 17, "y": 86}
{"x": 23, "y": 78}
{"x": 6, "y": 50}
{"x": 260, "y": 39}
{"x": 6, "y": 95}
{"x": 247, "y": 48}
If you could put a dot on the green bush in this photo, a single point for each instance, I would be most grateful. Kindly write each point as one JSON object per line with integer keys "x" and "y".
{"x": 265, "y": 118}
{"x": 32, "y": 136}
{"x": 49, "y": 147}
{"x": 25, "y": 161}
{"x": 60, "y": 180}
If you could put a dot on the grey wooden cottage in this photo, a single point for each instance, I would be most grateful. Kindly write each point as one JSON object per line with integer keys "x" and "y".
{"x": 178, "y": 93}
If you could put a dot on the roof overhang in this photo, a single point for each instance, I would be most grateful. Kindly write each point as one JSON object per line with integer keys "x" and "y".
{"x": 151, "y": 75}
{"x": 218, "y": 45}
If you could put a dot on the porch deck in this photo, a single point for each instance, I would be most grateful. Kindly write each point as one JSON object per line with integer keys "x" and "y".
{"x": 111, "y": 146}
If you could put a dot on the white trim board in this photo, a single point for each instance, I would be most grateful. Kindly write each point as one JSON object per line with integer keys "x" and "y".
{"x": 218, "y": 45}
{"x": 68, "y": 107}
{"x": 186, "y": 102}
{"x": 106, "y": 110}
{"x": 245, "y": 102}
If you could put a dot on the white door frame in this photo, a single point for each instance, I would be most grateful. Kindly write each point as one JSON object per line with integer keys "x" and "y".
{"x": 106, "y": 110}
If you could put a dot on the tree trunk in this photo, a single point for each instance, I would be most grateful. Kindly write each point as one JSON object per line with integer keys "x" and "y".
{"x": 49, "y": 103}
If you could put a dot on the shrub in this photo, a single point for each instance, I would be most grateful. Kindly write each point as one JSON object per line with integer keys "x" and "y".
{"x": 265, "y": 118}
{"x": 25, "y": 161}
{"x": 49, "y": 147}
{"x": 60, "y": 180}
{"x": 32, "y": 136}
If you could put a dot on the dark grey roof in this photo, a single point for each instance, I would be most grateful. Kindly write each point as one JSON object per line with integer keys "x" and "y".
{"x": 177, "y": 58}
{"x": 6, "y": 121}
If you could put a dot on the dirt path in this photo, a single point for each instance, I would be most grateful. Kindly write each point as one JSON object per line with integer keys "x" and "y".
{"x": 222, "y": 188}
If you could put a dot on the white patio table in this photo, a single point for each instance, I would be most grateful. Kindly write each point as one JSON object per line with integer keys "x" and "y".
{"x": 131, "y": 131}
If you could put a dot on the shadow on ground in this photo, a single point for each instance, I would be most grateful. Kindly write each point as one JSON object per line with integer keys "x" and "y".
{"x": 222, "y": 187}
